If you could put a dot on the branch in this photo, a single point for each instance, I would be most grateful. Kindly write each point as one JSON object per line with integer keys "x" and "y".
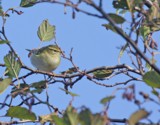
{"x": 71, "y": 5}
{"x": 18, "y": 122}
{"x": 115, "y": 84}
{"x": 46, "y": 103}
{"x": 122, "y": 66}
{"x": 81, "y": 73}
{"x": 4, "y": 34}
{"x": 106, "y": 17}
{"x": 121, "y": 33}
{"x": 125, "y": 121}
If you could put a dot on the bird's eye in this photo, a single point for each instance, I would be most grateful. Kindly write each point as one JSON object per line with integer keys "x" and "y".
{"x": 55, "y": 50}
{"x": 52, "y": 49}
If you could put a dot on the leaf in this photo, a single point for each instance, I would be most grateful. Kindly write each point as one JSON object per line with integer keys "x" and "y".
{"x": 116, "y": 18}
{"x": 156, "y": 93}
{"x": 144, "y": 30}
{"x": 38, "y": 86}
{"x": 154, "y": 24}
{"x": 152, "y": 79}
{"x": 12, "y": 64}
{"x": 27, "y": 3}
{"x": 85, "y": 117}
{"x": 122, "y": 51}
{"x": 153, "y": 12}
{"x": 104, "y": 73}
{"x": 106, "y": 99}
{"x": 4, "y": 84}
{"x": 110, "y": 27}
{"x": 3, "y": 41}
{"x": 71, "y": 116}
{"x": 72, "y": 94}
{"x": 57, "y": 120}
{"x": 148, "y": 66}
{"x": 120, "y": 4}
{"x": 46, "y": 32}
{"x": 127, "y": 4}
{"x": 137, "y": 116}
{"x": 97, "y": 119}
{"x": 21, "y": 113}
{"x": 70, "y": 70}
{"x": 1, "y": 9}
{"x": 47, "y": 118}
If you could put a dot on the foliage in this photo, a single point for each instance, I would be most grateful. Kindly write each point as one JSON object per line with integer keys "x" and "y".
{"x": 21, "y": 113}
{"x": 46, "y": 32}
{"x": 140, "y": 20}
{"x": 13, "y": 66}
{"x": 4, "y": 84}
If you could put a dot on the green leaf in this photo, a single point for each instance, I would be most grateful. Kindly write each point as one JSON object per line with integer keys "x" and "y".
{"x": 148, "y": 66}
{"x": 1, "y": 9}
{"x": 152, "y": 79}
{"x": 4, "y": 84}
{"x": 104, "y": 73}
{"x": 21, "y": 113}
{"x": 70, "y": 70}
{"x": 137, "y": 116}
{"x": 122, "y": 51}
{"x": 71, "y": 116}
{"x": 144, "y": 30}
{"x": 46, "y": 32}
{"x": 153, "y": 24}
{"x": 116, "y": 18}
{"x": 120, "y": 4}
{"x": 110, "y": 27}
{"x": 70, "y": 93}
{"x": 12, "y": 64}
{"x": 153, "y": 12}
{"x": 27, "y": 3}
{"x": 4, "y": 41}
{"x": 156, "y": 93}
{"x": 127, "y": 4}
{"x": 38, "y": 86}
{"x": 97, "y": 119}
{"x": 106, "y": 99}
{"x": 85, "y": 117}
{"x": 57, "y": 120}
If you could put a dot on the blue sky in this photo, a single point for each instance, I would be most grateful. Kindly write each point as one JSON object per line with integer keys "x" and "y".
{"x": 93, "y": 46}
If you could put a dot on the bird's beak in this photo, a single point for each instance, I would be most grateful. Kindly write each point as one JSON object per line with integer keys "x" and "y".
{"x": 29, "y": 54}
{"x": 28, "y": 50}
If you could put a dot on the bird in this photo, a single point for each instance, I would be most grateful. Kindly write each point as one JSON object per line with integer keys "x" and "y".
{"x": 46, "y": 58}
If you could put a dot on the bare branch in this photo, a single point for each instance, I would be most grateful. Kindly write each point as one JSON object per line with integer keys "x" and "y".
{"x": 71, "y": 5}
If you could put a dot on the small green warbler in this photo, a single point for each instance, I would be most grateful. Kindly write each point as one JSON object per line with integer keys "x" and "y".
{"x": 46, "y": 58}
